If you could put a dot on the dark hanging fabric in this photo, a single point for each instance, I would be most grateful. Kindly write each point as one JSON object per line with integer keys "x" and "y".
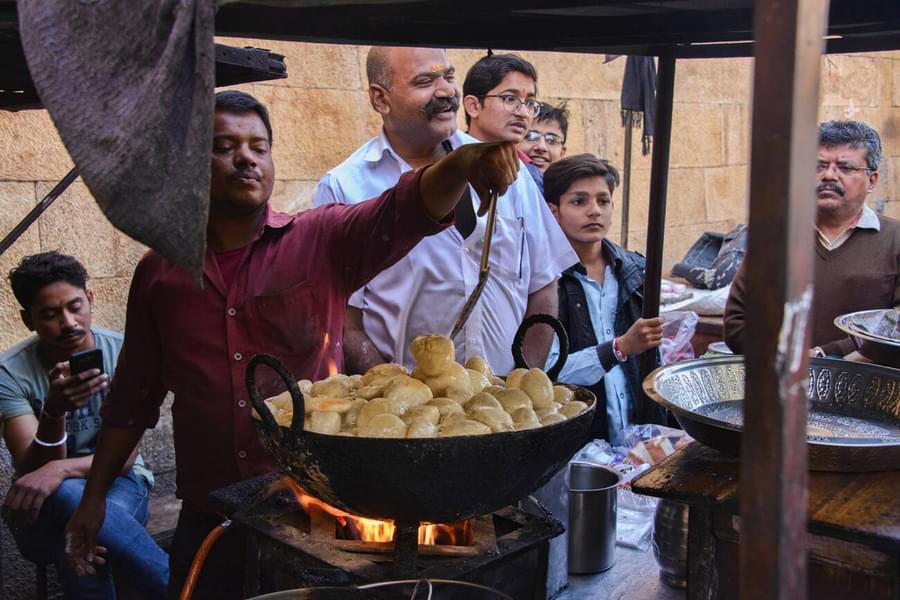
{"x": 129, "y": 86}
{"x": 639, "y": 97}
{"x": 464, "y": 214}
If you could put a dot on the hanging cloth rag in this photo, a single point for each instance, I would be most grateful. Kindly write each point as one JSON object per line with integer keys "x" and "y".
{"x": 639, "y": 96}
{"x": 129, "y": 86}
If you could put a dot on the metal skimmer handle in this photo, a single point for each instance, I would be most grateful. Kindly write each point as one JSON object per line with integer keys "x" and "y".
{"x": 472, "y": 300}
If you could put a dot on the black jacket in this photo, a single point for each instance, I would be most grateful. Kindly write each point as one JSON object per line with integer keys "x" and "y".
{"x": 628, "y": 269}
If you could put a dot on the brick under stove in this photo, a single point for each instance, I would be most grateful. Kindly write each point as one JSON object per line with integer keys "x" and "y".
{"x": 287, "y": 551}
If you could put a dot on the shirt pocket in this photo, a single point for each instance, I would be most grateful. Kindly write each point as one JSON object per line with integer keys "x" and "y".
{"x": 508, "y": 249}
{"x": 290, "y": 321}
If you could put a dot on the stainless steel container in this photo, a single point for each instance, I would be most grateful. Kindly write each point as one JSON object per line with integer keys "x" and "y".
{"x": 670, "y": 533}
{"x": 592, "y": 517}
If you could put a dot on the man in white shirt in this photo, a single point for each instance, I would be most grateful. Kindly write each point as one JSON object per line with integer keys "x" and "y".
{"x": 415, "y": 92}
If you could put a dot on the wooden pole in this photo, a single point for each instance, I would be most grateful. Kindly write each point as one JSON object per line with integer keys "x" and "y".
{"x": 626, "y": 178}
{"x": 773, "y": 485}
{"x": 656, "y": 218}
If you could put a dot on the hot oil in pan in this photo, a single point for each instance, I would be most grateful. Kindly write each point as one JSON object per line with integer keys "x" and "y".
{"x": 820, "y": 424}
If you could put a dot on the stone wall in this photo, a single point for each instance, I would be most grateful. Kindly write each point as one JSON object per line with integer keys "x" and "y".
{"x": 321, "y": 114}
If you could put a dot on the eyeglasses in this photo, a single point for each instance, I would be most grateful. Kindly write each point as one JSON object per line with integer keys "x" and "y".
{"x": 841, "y": 168}
{"x": 551, "y": 138}
{"x": 512, "y": 103}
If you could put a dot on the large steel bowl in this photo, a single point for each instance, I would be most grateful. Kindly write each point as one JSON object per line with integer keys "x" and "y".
{"x": 412, "y": 480}
{"x": 854, "y": 409}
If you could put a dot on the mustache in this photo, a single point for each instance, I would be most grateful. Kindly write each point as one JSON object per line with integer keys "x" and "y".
{"x": 71, "y": 333}
{"x": 237, "y": 174}
{"x": 830, "y": 186}
{"x": 439, "y": 105}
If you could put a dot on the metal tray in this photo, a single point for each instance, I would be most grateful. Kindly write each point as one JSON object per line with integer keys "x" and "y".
{"x": 861, "y": 326}
{"x": 854, "y": 409}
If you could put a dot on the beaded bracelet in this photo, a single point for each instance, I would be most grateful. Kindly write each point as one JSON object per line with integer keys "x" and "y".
{"x": 60, "y": 442}
{"x": 618, "y": 353}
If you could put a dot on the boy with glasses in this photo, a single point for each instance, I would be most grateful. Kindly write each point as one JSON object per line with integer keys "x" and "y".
{"x": 545, "y": 141}
{"x": 857, "y": 258}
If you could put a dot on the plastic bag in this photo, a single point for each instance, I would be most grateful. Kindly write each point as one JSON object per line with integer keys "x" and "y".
{"x": 678, "y": 329}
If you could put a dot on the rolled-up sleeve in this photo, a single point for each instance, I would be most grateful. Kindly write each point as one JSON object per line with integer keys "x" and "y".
{"x": 137, "y": 391}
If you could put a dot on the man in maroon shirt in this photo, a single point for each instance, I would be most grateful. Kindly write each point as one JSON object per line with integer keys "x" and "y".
{"x": 272, "y": 283}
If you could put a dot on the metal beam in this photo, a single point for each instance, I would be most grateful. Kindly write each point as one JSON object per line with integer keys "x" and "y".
{"x": 773, "y": 484}
{"x": 656, "y": 217}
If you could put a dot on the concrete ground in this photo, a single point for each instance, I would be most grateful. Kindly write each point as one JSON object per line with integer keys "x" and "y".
{"x": 635, "y": 576}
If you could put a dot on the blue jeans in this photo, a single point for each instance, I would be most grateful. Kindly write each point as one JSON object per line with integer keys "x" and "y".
{"x": 130, "y": 549}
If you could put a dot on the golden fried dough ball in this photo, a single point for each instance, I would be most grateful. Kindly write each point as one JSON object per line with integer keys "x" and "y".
{"x": 454, "y": 382}
{"x": 332, "y": 387}
{"x": 323, "y": 421}
{"x": 305, "y": 386}
{"x": 493, "y": 390}
{"x": 411, "y": 392}
{"x": 338, "y": 405}
{"x": 351, "y": 416}
{"x": 513, "y": 399}
{"x": 537, "y": 385}
{"x": 421, "y": 427}
{"x": 433, "y": 354}
{"x": 495, "y": 418}
{"x": 381, "y": 374}
{"x": 281, "y": 408}
{"x": 525, "y": 418}
{"x": 373, "y": 408}
{"x": 562, "y": 394}
{"x": 477, "y": 363}
{"x": 384, "y": 425}
{"x": 575, "y": 407}
{"x": 497, "y": 381}
{"x": 477, "y": 380}
{"x": 482, "y": 400}
{"x": 515, "y": 377}
{"x": 367, "y": 392}
{"x": 446, "y": 406}
{"x": 548, "y": 410}
{"x": 355, "y": 381}
{"x": 430, "y": 413}
{"x": 552, "y": 418}
{"x": 463, "y": 427}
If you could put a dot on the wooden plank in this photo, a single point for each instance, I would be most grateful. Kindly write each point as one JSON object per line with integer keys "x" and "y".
{"x": 695, "y": 474}
{"x": 858, "y": 507}
{"x": 702, "y": 575}
{"x": 779, "y": 271}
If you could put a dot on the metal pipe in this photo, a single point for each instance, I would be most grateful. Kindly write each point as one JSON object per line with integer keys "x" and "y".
{"x": 38, "y": 210}
{"x": 626, "y": 178}
{"x": 656, "y": 218}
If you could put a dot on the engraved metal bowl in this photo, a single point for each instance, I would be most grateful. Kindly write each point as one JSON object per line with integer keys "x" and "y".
{"x": 854, "y": 409}
{"x": 864, "y": 326}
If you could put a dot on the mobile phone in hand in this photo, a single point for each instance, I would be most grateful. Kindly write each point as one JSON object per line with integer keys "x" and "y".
{"x": 83, "y": 361}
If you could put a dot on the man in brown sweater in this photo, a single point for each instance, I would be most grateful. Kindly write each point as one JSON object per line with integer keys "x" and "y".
{"x": 857, "y": 258}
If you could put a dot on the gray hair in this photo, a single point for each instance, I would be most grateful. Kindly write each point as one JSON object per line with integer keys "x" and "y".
{"x": 855, "y": 134}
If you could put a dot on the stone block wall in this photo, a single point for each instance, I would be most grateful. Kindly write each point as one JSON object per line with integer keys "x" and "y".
{"x": 321, "y": 114}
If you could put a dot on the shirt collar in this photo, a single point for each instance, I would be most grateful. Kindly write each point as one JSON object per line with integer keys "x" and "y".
{"x": 868, "y": 219}
{"x": 381, "y": 145}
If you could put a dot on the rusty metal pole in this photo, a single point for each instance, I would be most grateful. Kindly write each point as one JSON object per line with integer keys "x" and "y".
{"x": 773, "y": 485}
{"x": 656, "y": 218}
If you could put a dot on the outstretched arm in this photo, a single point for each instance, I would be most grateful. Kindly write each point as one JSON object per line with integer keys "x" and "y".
{"x": 115, "y": 446}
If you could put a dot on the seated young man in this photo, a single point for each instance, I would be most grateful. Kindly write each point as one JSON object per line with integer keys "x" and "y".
{"x": 50, "y": 423}
{"x": 601, "y": 297}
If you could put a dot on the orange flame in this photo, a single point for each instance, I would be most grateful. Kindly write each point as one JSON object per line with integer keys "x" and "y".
{"x": 374, "y": 530}
{"x": 329, "y": 357}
